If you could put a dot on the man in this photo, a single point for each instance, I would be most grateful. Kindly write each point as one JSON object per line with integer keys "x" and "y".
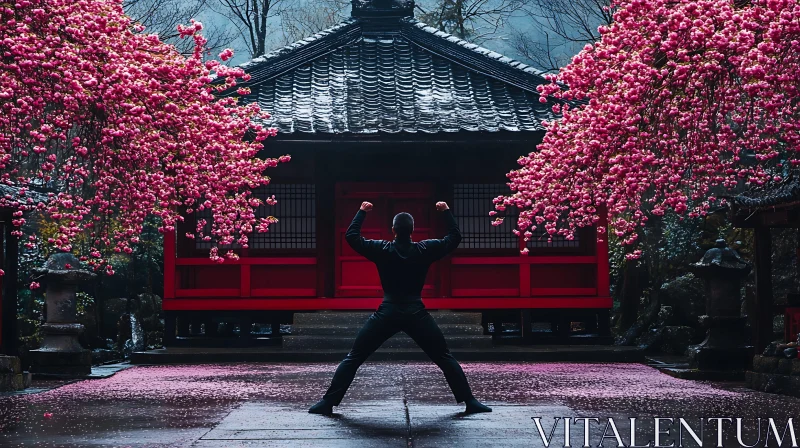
{"x": 402, "y": 265}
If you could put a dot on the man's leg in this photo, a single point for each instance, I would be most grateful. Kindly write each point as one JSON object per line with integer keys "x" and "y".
{"x": 426, "y": 333}
{"x": 378, "y": 328}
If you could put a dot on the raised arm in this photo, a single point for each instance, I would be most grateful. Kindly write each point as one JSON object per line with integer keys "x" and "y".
{"x": 368, "y": 248}
{"x": 439, "y": 248}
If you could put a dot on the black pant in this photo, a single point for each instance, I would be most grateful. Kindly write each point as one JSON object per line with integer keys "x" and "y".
{"x": 385, "y": 322}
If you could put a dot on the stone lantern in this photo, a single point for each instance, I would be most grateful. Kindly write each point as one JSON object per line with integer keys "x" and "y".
{"x": 61, "y": 352}
{"x": 722, "y": 270}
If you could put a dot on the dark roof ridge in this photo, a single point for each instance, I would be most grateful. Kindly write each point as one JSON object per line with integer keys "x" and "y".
{"x": 474, "y": 57}
{"x": 286, "y": 58}
{"x": 12, "y": 194}
{"x": 773, "y": 194}
{"x": 491, "y": 54}
{"x": 302, "y": 43}
{"x": 457, "y": 50}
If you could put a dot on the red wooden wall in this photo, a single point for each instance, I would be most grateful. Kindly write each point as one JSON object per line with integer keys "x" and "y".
{"x": 465, "y": 280}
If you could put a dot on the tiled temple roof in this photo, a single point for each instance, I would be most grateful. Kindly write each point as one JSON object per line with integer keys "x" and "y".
{"x": 12, "y": 193}
{"x": 383, "y": 71}
{"x": 784, "y": 193}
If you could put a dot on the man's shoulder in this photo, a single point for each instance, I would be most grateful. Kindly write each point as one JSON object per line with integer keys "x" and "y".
{"x": 382, "y": 244}
{"x": 425, "y": 243}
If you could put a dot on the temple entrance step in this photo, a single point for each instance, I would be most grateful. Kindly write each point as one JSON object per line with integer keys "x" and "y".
{"x": 399, "y": 340}
{"x": 351, "y": 330}
{"x": 338, "y": 318}
{"x": 329, "y": 330}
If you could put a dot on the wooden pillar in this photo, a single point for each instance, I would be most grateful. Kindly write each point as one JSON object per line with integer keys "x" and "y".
{"x": 564, "y": 325}
{"x": 326, "y": 223}
{"x": 182, "y": 324}
{"x": 603, "y": 324}
{"x": 591, "y": 322}
{"x": 2, "y": 264}
{"x": 603, "y": 271}
{"x": 764, "y": 300}
{"x": 524, "y": 275}
{"x": 245, "y": 327}
{"x": 170, "y": 327}
{"x": 524, "y": 291}
{"x": 244, "y": 279}
{"x": 525, "y": 325}
{"x": 601, "y": 250}
{"x": 443, "y": 191}
{"x": 210, "y": 326}
{"x": 195, "y": 325}
{"x": 276, "y": 329}
{"x": 9, "y": 302}
{"x": 169, "y": 264}
{"x": 182, "y": 246}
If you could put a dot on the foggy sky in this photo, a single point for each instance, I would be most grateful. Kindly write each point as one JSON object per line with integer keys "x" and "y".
{"x": 499, "y": 41}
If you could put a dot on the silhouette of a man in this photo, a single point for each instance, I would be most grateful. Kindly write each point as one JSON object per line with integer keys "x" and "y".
{"x": 402, "y": 265}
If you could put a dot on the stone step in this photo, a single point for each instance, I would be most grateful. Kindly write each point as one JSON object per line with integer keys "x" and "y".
{"x": 397, "y": 341}
{"x": 10, "y": 364}
{"x": 12, "y": 378}
{"x": 10, "y": 382}
{"x": 351, "y": 330}
{"x": 339, "y": 318}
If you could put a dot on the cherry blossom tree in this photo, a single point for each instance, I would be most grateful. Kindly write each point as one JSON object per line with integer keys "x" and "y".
{"x": 679, "y": 101}
{"x": 119, "y": 126}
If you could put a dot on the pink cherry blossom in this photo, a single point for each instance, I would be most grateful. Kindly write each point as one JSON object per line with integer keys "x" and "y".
{"x": 226, "y": 54}
{"x": 123, "y": 127}
{"x": 679, "y": 99}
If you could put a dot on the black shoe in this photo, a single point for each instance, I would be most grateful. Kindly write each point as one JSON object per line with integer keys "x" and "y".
{"x": 322, "y": 408}
{"x": 474, "y": 406}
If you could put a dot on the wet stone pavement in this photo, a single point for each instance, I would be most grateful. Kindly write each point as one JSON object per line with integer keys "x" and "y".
{"x": 389, "y": 404}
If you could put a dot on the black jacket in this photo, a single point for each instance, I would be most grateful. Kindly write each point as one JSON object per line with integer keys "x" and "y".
{"x": 403, "y": 264}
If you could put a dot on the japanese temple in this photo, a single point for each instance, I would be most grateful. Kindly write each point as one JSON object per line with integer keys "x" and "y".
{"x": 763, "y": 209}
{"x": 386, "y": 109}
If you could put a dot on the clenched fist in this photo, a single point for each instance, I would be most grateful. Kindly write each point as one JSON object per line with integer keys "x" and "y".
{"x": 442, "y": 206}
{"x": 366, "y": 206}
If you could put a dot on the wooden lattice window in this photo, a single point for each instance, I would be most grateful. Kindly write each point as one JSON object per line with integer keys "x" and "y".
{"x": 539, "y": 239}
{"x": 471, "y": 206}
{"x": 296, "y": 227}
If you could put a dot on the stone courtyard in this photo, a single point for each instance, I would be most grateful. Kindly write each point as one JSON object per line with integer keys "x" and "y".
{"x": 389, "y": 404}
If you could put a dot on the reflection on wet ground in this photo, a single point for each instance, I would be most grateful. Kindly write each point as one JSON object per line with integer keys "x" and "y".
{"x": 389, "y": 404}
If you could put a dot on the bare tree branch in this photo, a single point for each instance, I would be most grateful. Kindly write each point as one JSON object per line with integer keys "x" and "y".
{"x": 566, "y": 26}
{"x": 251, "y": 19}
{"x": 305, "y": 18}
{"x": 163, "y": 16}
{"x": 474, "y": 20}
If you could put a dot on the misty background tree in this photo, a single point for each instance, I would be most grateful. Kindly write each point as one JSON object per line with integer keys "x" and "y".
{"x": 565, "y": 27}
{"x": 162, "y": 17}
